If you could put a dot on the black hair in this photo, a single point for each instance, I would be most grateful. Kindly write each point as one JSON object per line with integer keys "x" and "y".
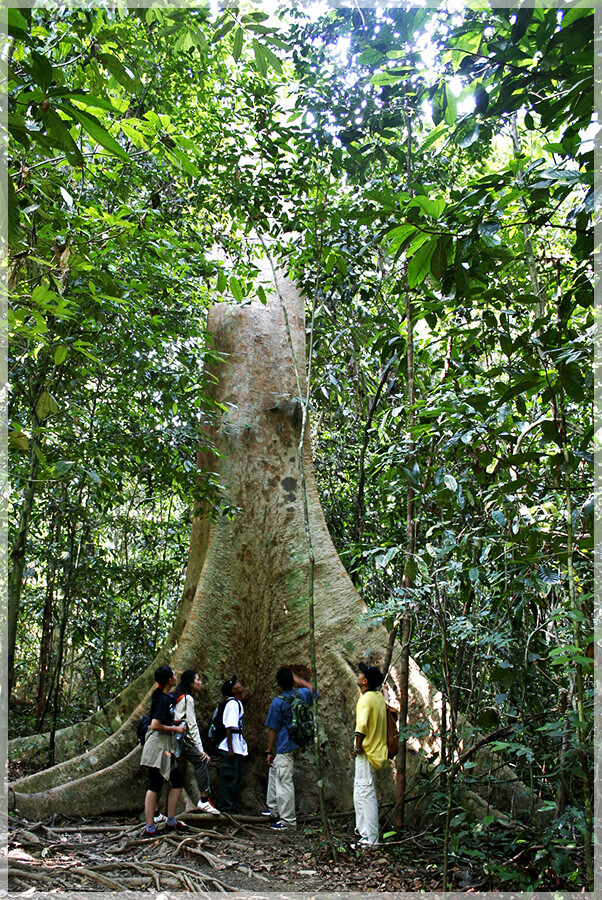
{"x": 228, "y": 685}
{"x": 185, "y": 685}
{"x": 162, "y": 676}
{"x": 285, "y": 679}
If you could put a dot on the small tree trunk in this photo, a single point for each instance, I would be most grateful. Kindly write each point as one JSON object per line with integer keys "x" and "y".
{"x": 47, "y": 619}
{"x": 17, "y": 565}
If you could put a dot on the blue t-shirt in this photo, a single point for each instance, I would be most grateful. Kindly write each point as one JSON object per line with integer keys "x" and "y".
{"x": 279, "y": 716}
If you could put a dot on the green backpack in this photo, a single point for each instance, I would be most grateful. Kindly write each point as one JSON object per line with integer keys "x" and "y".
{"x": 301, "y": 729}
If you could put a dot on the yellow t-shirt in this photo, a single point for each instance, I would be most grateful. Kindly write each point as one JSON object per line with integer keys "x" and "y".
{"x": 371, "y": 721}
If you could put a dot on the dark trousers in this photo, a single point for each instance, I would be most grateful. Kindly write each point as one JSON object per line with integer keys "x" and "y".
{"x": 230, "y": 782}
{"x": 201, "y": 769}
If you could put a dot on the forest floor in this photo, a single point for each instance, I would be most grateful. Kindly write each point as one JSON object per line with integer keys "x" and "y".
{"x": 230, "y": 854}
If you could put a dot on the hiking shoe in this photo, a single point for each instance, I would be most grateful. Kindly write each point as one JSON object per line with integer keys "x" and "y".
{"x": 153, "y": 833}
{"x": 279, "y": 826}
{"x": 180, "y": 827}
{"x": 267, "y": 812}
{"x": 207, "y": 806}
{"x": 160, "y": 818}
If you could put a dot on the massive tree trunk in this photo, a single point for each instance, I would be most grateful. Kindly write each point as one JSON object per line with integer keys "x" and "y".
{"x": 249, "y": 613}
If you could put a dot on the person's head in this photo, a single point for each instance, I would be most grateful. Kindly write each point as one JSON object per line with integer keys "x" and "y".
{"x": 370, "y": 678}
{"x": 165, "y": 677}
{"x": 229, "y": 685}
{"x": 190, "y": 683}
{"x": 285, "y": 679}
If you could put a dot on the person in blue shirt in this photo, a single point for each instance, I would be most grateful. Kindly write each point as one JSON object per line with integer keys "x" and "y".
{"x": 281, "y": 750}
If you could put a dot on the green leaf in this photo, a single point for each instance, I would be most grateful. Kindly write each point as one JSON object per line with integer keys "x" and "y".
{"x": 260, "y": 58}
{"x": 238, "y": 42}
{"x": 450, "y": 106}
{"x": 62, "y": 467}
{"x": 272, "y": 59}
{"x": 46, "y": 406}
{"x": 439, "y": 104}
{"x": 58, "y": 131}
{"x": 117, "y": 70}
{"x": 18, "y": 25}
{"x": 450, "y": 482}
{"x": 236, "y": 288}
{"x": 96, "y": 131}
{"x": 60, "y": 355}
{"x": 439, "y": 257}
{"x": 481, "y": 99}
{"x": 419, "y": 265}
{"x": 222, "y": 281}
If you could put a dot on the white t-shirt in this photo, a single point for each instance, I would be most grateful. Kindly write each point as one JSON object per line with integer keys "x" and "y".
{"x": 233, "y": 718}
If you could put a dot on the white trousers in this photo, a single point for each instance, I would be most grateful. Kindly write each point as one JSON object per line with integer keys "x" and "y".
{"x": 281, "y": 790}
{"x": 364, "y": 799}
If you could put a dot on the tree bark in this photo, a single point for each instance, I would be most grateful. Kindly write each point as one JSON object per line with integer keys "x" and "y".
{"x": 250, "y": 612}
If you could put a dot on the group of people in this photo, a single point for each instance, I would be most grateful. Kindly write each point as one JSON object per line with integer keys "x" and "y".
{"x": 173, "y": 734}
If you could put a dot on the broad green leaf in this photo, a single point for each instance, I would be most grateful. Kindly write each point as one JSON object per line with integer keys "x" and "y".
{"x": 222, "y": 281}
{"x": 62, "y": 467}
{"x": 419, "y": 264}
{"x": 60, "y": 355}
{"x": 117, "y": 70}
{"x": 135, "y": 136}
{"x": 439, "y": 104}
{"x": 59, "y": 133}
{"x": 432, "y": 208}
{"x": 260, "y": 58}
{"x": 450, "y": 482}
{"x": 42, "y": 70}
{"x": 17, "y": 440}
{"x": 96, "y": 131}
{"x": 17, "y": 23}
{"x": 46, "y": 406}
{"x": 238, "y": 42}
{"x": 236, "y": 288}
{"x": 439, "y": 257}
{"x": 450, "y": 106}
{"x": 90, "y": 100}
{"x": 399, "y": 235}
{"x": 272, "y": 59}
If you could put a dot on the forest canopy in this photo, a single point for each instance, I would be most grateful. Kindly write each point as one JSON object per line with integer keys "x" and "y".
{"x": 426, "y": 175}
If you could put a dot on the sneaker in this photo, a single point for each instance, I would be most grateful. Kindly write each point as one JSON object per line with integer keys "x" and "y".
{"x": 207, "y": 806}
{"x": 364, "y": 844}
{"x": 267, "y": 812}
{"x": 160, "y": 818}
{"x": 179, "y": 827}
{"x": 149, "y": 834}
{"x": 279, "y": 826}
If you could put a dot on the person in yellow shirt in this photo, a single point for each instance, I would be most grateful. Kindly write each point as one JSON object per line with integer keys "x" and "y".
{"x": 370, "y": 750}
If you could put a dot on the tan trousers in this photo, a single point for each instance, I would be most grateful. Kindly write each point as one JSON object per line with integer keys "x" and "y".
{"x": 281, "y": 790}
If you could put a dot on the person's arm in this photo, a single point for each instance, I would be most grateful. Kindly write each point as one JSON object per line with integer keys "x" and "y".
{"x": 272, "y": 735}
{"x": 157, "y": 725}
{"x": 228, "y": 715}
{"x": 193, "y": 728}
{"x": 359, "y": 741}
{"x": 361, "y": 725}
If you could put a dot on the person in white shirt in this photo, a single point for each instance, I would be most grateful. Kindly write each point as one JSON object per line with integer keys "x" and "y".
{"x": 233, "y": 747}
{"x": 191, "y": 745}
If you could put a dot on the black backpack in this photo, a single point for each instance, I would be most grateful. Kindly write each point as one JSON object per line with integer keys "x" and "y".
{"x": 142, "y": 728}
{"x": 301, "y": 729}
{"x": 216, "y": 731}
